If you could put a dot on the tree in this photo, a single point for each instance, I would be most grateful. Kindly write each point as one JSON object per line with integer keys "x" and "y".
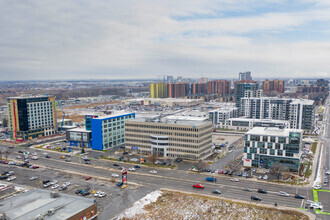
{"x": 7, "y": 153}
{"x": 153, "y": 157}
{"x": 200, "y": 165}
{"x": 301, "y": 169}
{"x": 277, "y": 170}
{"x": 5, "y": 122}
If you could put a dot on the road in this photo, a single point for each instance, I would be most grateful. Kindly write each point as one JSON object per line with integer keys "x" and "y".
{"x": 174, "y": 179}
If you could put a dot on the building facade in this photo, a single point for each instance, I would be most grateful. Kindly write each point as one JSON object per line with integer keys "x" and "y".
{"x": 300, "y": 112}
{"x": 249, "y": 123}
{"x": 109, "y": 131}
{"x": 267, "y": 146}
{"x": 241, "y": 88}
{"x": 273, "y": 86}
{"x": 245, "y": 76}
{"x": 79, "y": 137}
{"x": 220, "y": 116}
{"x": 170, "y": 139}
{"x": 32, "y": 117}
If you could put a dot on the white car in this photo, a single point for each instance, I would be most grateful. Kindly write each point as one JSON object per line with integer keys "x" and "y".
{"x": 317, "y": 187}
{"x": 47, "y": 185}
{"x": 102, "y": 194}
{"x": 259, "y": 177}
{"x": 234, "y": 180}
{"x": 265, "y": 177}
{"x": 115, "y": 175}
{"x": 131, "y": 169}
{"x": 34, "y": 178}
{"x": 134, "y": 159}
{"x": 45, "y": 153}
{"x": 10, "y": 173}
{"x": 18, "y": 157}
{"x": 327, "y": 172}
{"x": 55, "y": 181}
{"x": 55, "y": 186}
{"x": 317, "y": 205}
{"x": 34, "y": 158}
{"x": 96, "y": 194}
{"x": 281, "y": 193}
{"x": 153, "y": 171}
{"x": 66, "y": 184}
{"x": 35, "y": 154}
{"x": 11, "y": 178}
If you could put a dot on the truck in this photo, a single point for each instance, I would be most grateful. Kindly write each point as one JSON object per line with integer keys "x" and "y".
{"x": 211, "y": 179}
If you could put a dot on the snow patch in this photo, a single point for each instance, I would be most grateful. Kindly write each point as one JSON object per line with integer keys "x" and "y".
{"x": 137, "y": 207}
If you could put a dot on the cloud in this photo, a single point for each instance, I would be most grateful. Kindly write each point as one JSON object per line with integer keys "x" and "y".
{"x": 143, "y": 39}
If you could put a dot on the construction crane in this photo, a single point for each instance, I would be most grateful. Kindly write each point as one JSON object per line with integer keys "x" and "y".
{"x": 59, "y": 103}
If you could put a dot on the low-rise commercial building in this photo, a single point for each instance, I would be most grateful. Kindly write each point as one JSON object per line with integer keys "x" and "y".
{"x": 43, "y": 204}
{"x": 79, "y": 137}
{"x": 109, "y": 131}
{"x": 266, "y": 146}
{"x": 169, "y": 138}
{"x": 249, "y": 123}
{"x": 221, "y": 115}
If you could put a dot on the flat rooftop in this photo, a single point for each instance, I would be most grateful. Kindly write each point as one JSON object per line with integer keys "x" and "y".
{"x": 79, "y": 130}
{"x": 116, "y": 114}
{"x": 271, "y": 131}
{"x": 170, "y": 121}
{"x": 31, "y": 97}
{"x": 35, "y": 202}
{"x": 259, "y": 120}
{"x": 302, "y": 101}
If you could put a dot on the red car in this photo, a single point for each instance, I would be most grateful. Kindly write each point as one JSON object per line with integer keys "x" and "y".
{"x": 221, "y": 172}
{"x": 35, "y": 167}
{"x": 199, "y": 186}
{"x": 88, "y": 178}
{"x": 214, "y": 130}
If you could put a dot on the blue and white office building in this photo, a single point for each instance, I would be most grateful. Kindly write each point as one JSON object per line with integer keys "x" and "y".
{"x": 109, "y": 131}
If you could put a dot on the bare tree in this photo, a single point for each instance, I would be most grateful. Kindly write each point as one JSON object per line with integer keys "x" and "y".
{"x": 301, "y": 169}
{"x": 7, "y": 153}
{"x": 1, "y": 153}
{"x": 153, "y": 157}
{"x": 277, "y": 170}
{"x": 200, "y": 165}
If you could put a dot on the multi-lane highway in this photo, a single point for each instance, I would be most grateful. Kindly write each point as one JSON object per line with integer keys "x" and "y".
{"x": 174, "y": 179}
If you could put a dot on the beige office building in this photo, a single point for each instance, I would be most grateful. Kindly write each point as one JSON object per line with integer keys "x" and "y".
{"x": 169, "y": 138}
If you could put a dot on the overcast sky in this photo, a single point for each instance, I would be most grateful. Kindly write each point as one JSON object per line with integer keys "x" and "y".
{"x": 111, "y": 39}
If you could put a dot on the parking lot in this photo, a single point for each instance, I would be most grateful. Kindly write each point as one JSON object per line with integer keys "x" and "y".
{"x": 116, "y": 199}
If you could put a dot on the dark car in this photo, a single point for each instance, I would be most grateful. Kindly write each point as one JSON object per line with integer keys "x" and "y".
{"x": 4, "y": 172}
{"x": 120, "y": 184}
{"x": 86, "y": 193}
{"x": 164, "y": 163}
{"x": 62, "y": 188}
{"x": 225, "y": 172}
{"x": 87, "y": 162}
{"x": 78, "y": 191}
{"x": 216, "y": 191}
{"x": 48, "y": 156}
{"x": 262, "y": 191}
{"x": 116, "y": 164}
{"x": 137, "y": 166}
{"x": 3, "y": 177}
{"x": 20, "y": 151}
{"x": 297, "y": 196}
{"x": 239, "y": 174}
{"x": 247, "y": 189}
{"x": 257, "y": 198}
{"x": 45, "y": 181}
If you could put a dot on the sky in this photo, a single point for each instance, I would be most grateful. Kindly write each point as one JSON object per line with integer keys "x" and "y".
{"x": 111, "y": 39}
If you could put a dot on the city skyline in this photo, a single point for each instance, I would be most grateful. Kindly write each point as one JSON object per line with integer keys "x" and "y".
{"x": 141, "y": 40}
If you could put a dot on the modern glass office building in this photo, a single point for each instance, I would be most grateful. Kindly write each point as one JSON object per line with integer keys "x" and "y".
{"x": 109, "y": 131}
{"x": 266, "y": 146}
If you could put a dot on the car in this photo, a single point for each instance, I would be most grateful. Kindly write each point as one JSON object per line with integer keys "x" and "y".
{"x": 153, "y": 171}
{"x": 317, "y": 187}
{"x": 325, "y": 180}
{"x": 45, "y": 181}
{"x": 86, "y": 193}
{"x": 10, "y": 173}
{"x": 20, "y": 151}
{"x": 78, "y": 191}
{"x": 55, "y": 181}
{"x": 226, "y": 172}
{"x": 157, "y": 162}
{"x": 245, "y": 174}
{"x": 230, "y": 173}
{"x": 68, "y": 155}
{"x": 87, "y": 162}
{"x": 262, "y": 191}
{"x": 298, "y": 196}
{"x": 260, "y": 177}
{"x": 4, "y": 172}
{"x": 47, "y": 156}
{"x": 11, "y": 178}
{"x": 216, "y": 191}
{"x": 164, "y": 163}
{"x": 115, "y": 175}
{"x": 35, "y": 167}
{"x": 267, "y": 171}
{"x": 34, "y": 178}
{"x": 211, "y": 179}
{"x": 137, "y": 166}
{"x": 131, "y": 169}
{"x": 316, "y": 205}
{"x": 18, "y": 157}
{"x": 221, "y": 172}
{"x": 116, "y": 165}
{"x": 281, "y": 193}
{"x": 62, "y": 188}
{"x": 265, "y": 177}
{"x": 102, "y": 194}
{"x": 240, "y": 174}
{"x": 3, "y": 177}
{"x": 96, "y": 194}
{"x": 198, "y": 186}
{"x": 327, "y": 172}
{"x": 247, "y": 189}
{"x": 216, "y": 171}
{"x": 45, "y": 153}
{"x": 256, "y": 198}
{"x": 55, "y": 186}
{"x": 234, "y": 180}
{"x": 66, "y": 184}
{"x": 88, "y": 177}
{"x": 120, "y": 184}
{"x": 67, "y": 160}
{"x": 47, "y": 184}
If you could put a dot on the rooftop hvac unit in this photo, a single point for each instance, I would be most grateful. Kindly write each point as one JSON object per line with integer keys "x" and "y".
{"x": 39, "y": 217}
{"x": 50, "y": 212}
{"x": 54, "y": 194}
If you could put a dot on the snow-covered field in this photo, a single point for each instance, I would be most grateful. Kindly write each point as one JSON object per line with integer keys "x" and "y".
{"x": 173, "y": 205}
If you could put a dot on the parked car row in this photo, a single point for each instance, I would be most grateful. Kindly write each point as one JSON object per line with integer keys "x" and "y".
{"x": 25, "y": 164}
